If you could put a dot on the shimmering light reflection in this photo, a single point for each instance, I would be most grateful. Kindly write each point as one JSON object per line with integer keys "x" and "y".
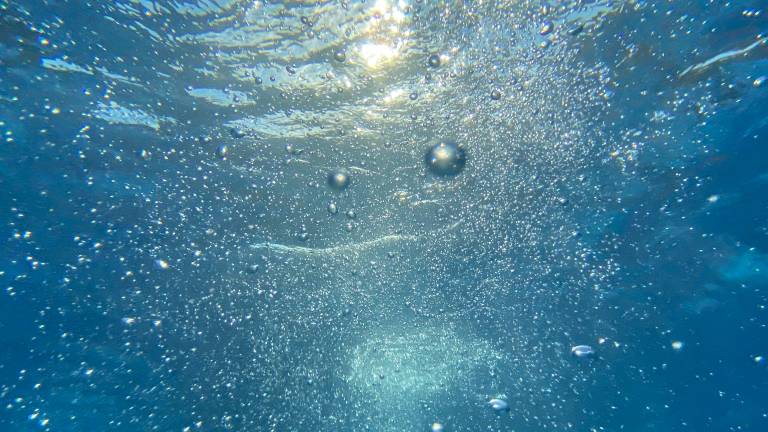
{"x": 376, "y": 54}
{"x": 393, "y": 95}
{"x": 389, "y": 12}
{"x": 385, "y": 28}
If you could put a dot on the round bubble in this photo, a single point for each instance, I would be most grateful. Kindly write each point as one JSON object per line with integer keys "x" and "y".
{"x": 333, "y": 208}
{"x": 437, "y": 427}
{"x": 546, "y": 28}
{"x": 495, "y": 94}
{"x": 445, "y": 159}
{"x": 223, "y": 151}
{"x": 338, "y": 180}
{"x": 434, "y": 60}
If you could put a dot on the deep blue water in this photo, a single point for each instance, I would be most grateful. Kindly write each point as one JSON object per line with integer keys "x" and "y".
{"x": 174, "y": 258}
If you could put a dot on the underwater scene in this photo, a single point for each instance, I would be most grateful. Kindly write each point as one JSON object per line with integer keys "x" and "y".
{"x": 383, "y": 215}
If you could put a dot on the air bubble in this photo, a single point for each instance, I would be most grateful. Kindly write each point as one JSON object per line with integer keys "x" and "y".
{"x": 446, "y": 159}
{"x": 338, "y": 180}
{"x": 223, "y": 151}
{"x": 582, "y": 351}
{"x": 546, "y": 28}
{"x": 498, "y": 404}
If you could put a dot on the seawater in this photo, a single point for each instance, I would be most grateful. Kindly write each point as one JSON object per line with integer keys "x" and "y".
{"x": 389, "y": 215}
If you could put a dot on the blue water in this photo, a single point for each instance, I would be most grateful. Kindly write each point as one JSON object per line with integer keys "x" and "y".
{"x": 174, "y": 257}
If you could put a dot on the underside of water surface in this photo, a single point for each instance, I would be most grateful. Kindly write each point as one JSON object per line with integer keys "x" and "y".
{"x": 383, "y": 215}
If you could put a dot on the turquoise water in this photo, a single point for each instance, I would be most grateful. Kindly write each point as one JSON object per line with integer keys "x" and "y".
{"x": 389, "y": 215}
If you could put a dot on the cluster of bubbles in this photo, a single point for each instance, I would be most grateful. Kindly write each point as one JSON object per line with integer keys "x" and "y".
{"x": 443, "y": 159}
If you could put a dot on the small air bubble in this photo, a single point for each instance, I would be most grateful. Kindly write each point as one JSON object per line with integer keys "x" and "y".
{"x": 222, "y": 151}
{"x": 338, "y": 180}
{"x": 333, "y": 208}
{"x": 582, "y": 351}
{"x": 546, "y": 28}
